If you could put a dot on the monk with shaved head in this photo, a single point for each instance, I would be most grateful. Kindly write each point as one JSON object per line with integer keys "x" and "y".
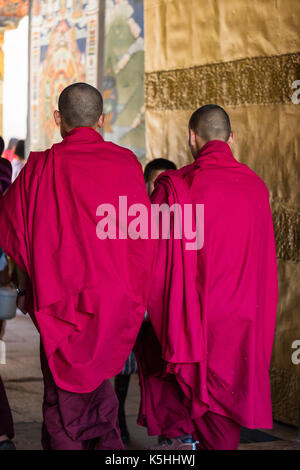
{"x": 204, "y": 356}
{"x": 79, "y": 105}
{"x": 86, "y": 292}
{"x": 211, "y": 122}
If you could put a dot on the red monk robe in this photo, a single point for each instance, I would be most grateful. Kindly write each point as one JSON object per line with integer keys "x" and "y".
{"x": 88, "y": 295}
{"x": 208, "y": 372}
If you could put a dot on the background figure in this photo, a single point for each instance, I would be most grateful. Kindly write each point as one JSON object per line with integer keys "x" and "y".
{"x": 2, "y": 145}
{"x": 5, "y": 170}
{"x": 9, "y": 153}
{"x": 155, "y": 168}
{"x": 18, "y": 162}
{"x": 5, "y": 180}
{"x": 17, "y": 165}
{"x": 6, "y": 422}
{"x": 151, "y": 172}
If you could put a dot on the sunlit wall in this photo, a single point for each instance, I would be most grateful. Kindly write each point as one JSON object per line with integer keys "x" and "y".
{"x": 15, "y": 85}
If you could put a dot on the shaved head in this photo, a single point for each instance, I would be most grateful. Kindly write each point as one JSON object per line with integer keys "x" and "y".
{"x": 80, "y": 105}
{"x": 211, "y": 122}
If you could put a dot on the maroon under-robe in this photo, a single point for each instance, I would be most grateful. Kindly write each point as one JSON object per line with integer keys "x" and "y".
{"x": 88, "y": 422}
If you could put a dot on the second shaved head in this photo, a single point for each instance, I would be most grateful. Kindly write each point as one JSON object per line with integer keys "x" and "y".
{"x": 211, "y": 122}
{"x": 80, "y": 105}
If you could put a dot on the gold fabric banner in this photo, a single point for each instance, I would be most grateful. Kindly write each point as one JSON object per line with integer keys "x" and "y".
{"x": 259, "y": 80}
{"x": 244, "y": 56}
{"x": 186, "y": 33}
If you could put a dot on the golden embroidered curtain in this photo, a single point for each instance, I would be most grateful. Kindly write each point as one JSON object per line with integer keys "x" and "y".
{"x": 243, "y": 56}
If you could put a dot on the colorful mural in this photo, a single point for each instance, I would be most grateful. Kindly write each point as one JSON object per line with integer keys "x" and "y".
{"x": 123, "y": 83}
{"x": 64, "y": 50}
{"x": 14, "y": 8}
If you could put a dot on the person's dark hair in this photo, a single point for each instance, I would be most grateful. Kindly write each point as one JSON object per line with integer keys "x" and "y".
{"x": 158, "y": 164}
{"x": 211, "y": 122}
{"x": 2, "y": 145}
{"x": 80, "y": 105}
{"x": 5, "y": 175}
{"x": 12, "y": 142}
{"x": 20, "y": 149}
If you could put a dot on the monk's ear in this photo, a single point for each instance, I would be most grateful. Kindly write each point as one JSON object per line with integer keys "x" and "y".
{"x": 57, "y": 117}
{"x": 101, "y": 120}
{"x": 231, "y": 138}
{"x": 192, "y": 137}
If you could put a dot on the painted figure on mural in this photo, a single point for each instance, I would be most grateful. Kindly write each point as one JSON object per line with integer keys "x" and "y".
{"x": 61, "y": 65}
{"x": 124, "y": 62}
{"x": 12, "y": 8}
{"x": 110, "y": 95}
{"x": 77, "y": 8}
{"x": 64, "y": 51}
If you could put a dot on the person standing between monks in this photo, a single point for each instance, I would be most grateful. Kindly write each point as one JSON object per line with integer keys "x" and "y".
{"x": 87, "y": 296}
{"x": 122, "y": 380}
{"x": 204, "y": 358}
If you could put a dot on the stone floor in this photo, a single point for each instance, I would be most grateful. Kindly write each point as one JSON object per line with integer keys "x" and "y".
{"x": 24, "y": 387}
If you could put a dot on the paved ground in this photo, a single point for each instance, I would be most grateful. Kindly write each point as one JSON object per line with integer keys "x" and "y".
{"x": 23, "y": 382}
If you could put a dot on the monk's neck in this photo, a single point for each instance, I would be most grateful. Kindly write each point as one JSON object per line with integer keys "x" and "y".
{"x": 213, "y": 148}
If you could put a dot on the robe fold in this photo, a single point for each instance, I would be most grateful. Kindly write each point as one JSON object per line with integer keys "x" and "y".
{"x": 233, "y": 321}
{"x": 89, "y": 295}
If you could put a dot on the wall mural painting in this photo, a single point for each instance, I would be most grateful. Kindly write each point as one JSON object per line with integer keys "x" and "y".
{"x": 123, "y": 81}
{"x": 64, "y": 50}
